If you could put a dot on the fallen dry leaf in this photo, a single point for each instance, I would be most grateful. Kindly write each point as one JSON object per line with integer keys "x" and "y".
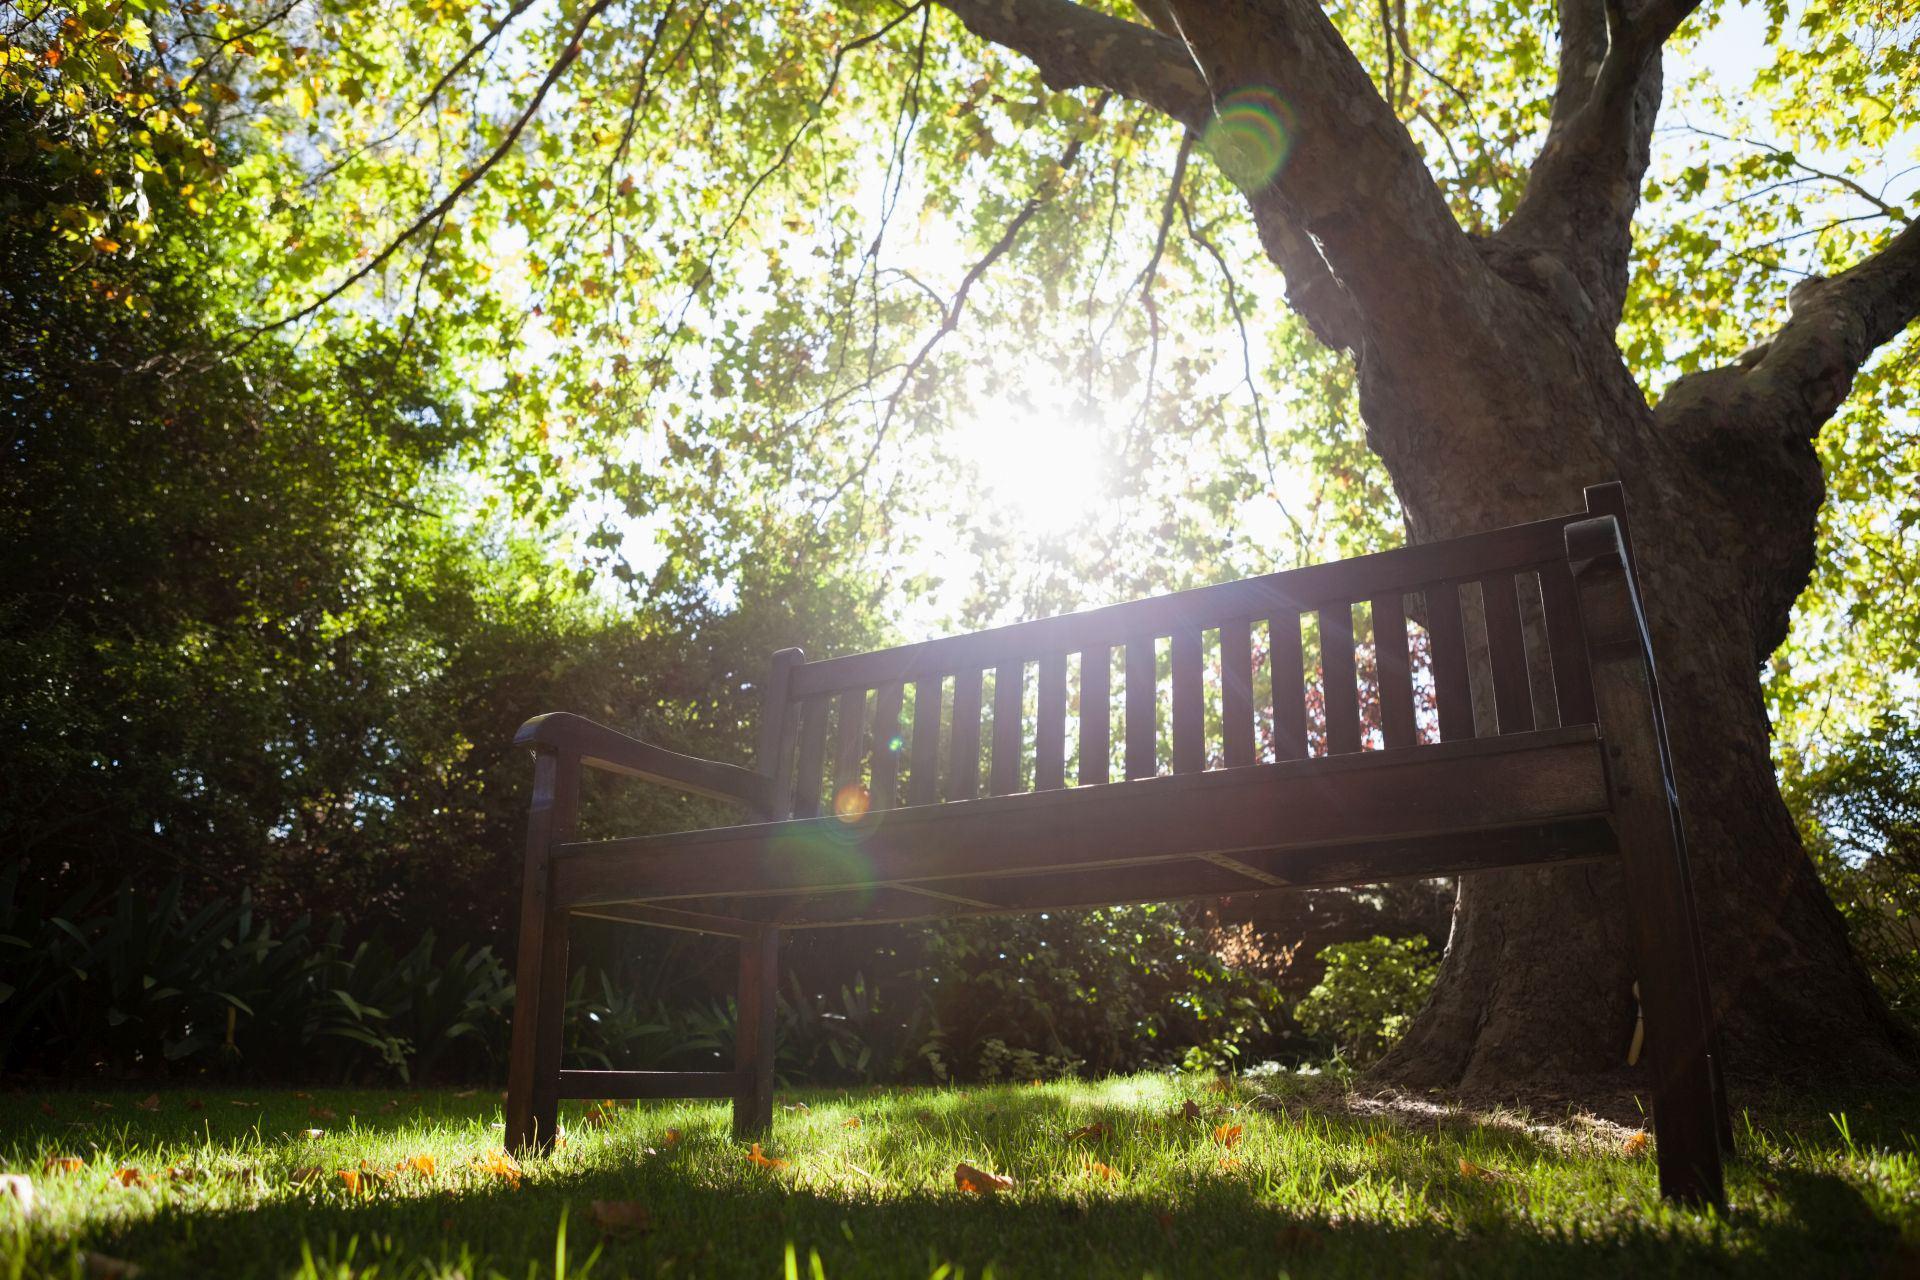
{"x": 62, "y": 1164}
{"x": 1468, "y": 1169}
{"x": 1094, "y": 1132}
{"x": 352, "y": 1178}
{"x": 851, "y": 1122}
{"x": 620, "y": 1217}
{"x": 1228, "y": 1135}
{"x": 101, "y": 1267}
{"x": 129, "y": 1177}
{"x": 1229, "y": 1163}
{"x": 18, "y": 1188}
{"x": 149, "y": 1103}
{"x": 1104, "y": 1170}
{"x": 308, "y": 1174}
{"x": 764, "y": 1161}
{"x": 670, "y": 1137}
{"x": 1220, "y": 1084}
{"x": 1189, "y": 1110}
{"x": 298, "y": 1094}
{"x": 924, "y": 1116}
{"x": 979, "y": 1181}
{"x": 466, "y": 1093}
{"x": 420, "y": 1165}
{"x": 1635, "y": 1145}
{"x": 500, "y": 1165}
{"x": 182, "y": 1173}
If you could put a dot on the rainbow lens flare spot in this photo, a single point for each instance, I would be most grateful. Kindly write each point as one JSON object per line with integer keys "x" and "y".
{"x": 1249, "y": 137}
{"x": 851, "y": 802}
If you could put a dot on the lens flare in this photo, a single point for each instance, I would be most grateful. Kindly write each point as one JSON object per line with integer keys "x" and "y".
{"x": 851, "y": 802}
{"x": 1249, "y": 137}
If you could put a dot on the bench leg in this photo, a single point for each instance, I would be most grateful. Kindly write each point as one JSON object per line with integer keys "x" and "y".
{"x": 540, "y": 980}
{"x": 753, "y": 1037}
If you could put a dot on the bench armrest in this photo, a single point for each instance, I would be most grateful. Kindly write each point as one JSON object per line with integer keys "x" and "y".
{"x": 598, "y": 747}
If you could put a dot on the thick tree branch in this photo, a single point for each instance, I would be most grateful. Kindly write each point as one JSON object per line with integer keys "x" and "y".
{"x": 1074, "y": 46}
{"x": 1792, "y": 383}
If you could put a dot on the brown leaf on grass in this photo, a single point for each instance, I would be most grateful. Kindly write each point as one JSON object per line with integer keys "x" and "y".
{"x": 194, "y": 1104}
{"x": 924, "y": 1116}
{"x": 1296, "y": 1237}
{"x": 298, "y": 1094}
{"x": 307, "y": 1175}
{"x": 149, "y": 1103}
{"x": 182, "y": 1173}
{"x": 851, "y": 1122}
{"x": 352, "y": 1178}
{"x": 1229, "y": 1163}
{"x": 621, "y": 1217}
{"x": 756, "y": 1157}
{"x": 62, "y": 1164}
{"x": 498, "y": 1164}
{"x": 595, "y": 1119}
{"x": 128, "y": 1176}
{"x": 421, "y": 1166}
{"x": 46, "y": 1109}
{"x": 101, "y": 1267}
{"x": 671, "y": 1137}
{"x": 1468, "y": 1169}
{"x": 979, "y": 1181}
{"x": 1636, "y": 1144}
{"x": 1189, "y": 1110}
{"x": 1221, "y": 1084}
{"x": 1106, "y": 1171}
{"x": 1228, "y": 1135}
{"x": 18, "y": 1188}
{"x": 466, "y": 1093}
{"x": 1095, "y": 1132}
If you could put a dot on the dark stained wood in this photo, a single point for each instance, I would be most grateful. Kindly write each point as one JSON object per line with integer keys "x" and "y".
{"x": 1009, "y": 689}
{"x": 1453, "y": 690}
{"x": 1507, "y": 650}
{"x": 885, "y": 769}
{"x": 753, "y": 1033}
{"x": 1298, "y": 590}
{"x": 849, "y": 729}
{"x": 923, "y": 782}
{"x": 649, "y": 1084}
{"x": 1050, "y": 724}
{"x": 1143, "y": 715}
{"x": 1545, "y": 776}
{"x": 666, "y": 918}
{"x": 1394, "y": 662}
{"x": 1340, "y": 685}
{"x": 812, "y": 757}
{"x": 1236, "y": 693}
{"x": 963, "y": 769}
{"x": 1096, "y": 714}
{"x": 1289, "y": 687}
{"x": 1674, "y": 996}
{"x": 597, "y": 747}
{"x": 779, "y": 722}
{"x": 1189, "y": 703}
{"x": 1572, "y": 684}
{"x": 533, "y": 1058}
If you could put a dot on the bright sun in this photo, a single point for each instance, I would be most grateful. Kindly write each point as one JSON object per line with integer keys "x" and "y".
{"x": 1043, "y": 470}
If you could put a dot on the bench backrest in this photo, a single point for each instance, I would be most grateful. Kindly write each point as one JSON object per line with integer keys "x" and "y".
{"x": 839, "y": 734}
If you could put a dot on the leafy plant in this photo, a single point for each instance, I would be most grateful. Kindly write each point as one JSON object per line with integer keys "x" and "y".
{"x": 1369, "y": 993}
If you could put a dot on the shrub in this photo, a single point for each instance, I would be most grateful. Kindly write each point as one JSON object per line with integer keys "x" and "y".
{"x": 1370, "y": 992}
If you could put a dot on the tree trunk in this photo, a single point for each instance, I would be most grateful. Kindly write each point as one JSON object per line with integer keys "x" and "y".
{"x": 1537, "y": 981}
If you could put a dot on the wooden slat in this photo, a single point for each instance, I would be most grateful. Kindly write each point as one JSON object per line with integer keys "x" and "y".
{"x": 1236, "y": 692}
{"x": 779, "y": 716}
{"x": 1189, "y": 703}
{"x": 1572, "y": 679}
{"x": 1008, "y": 689}
{"x": 850, "y": 714}
{"x": 1297, "y": 590}
{"x": 1507, "y": 650}
{"x": 1336, "y": 666}
{"x": 923, "y": 784}
{"x": 1453, "y": 691}
{"x": 963, "y": 769}
{"x": 1096, "y": 714}
{"x": 813, "y": 755}
{"x": 1142, "y": 727}
{"x": 886, "y": 757}
{"x": 1395, "y": 666}
{"x": 1289, "y": 688}
{"x": 1050, "y": 725}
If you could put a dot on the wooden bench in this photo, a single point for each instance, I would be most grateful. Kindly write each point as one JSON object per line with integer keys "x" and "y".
{"x": 1565, "y": 762}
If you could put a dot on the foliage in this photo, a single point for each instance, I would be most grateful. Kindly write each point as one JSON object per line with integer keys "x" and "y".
{"x": 230, "y": 1184}
{"x": 1369, "y": 994}
{"x": 1859, "y": 813}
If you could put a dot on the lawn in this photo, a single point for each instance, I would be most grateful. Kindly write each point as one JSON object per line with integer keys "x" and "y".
{"x": 1111, "y": 1178}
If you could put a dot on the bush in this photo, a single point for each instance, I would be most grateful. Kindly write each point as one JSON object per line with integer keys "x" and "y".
{"x": 1370, "y": 993}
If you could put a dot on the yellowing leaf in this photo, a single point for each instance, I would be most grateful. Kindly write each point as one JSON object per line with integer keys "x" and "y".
{"x": 1094, "y": 1132}
{"x": 765, "y": 1162}
{"x": 851, "y": 1122}
{"x": 1635, "y": 1145}
{"x": 1228, "y": 1135}
{"x": 1468, "y": 1169}
{"x": 980, "y": 1182}
{"x": 129, "y": 1177}
{"x": 670, "y": 1137}
{"x": 352, "y": 1178}
{"x": 500, "y": 1165}
{"x": 1104, "y": 1170}
{"x": 423, "y": 1166}
{"x": 63, "y": 1164}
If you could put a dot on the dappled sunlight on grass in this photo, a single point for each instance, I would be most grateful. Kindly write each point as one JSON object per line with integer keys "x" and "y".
{"x": 1161, "y": 1174}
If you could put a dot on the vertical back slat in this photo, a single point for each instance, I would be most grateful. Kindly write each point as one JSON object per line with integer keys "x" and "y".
{"x": 1008, "y": 686}
{"x": 779, "y": 731}
{"x": 813, "y": 757}
{"x": 1236, "y": 692}
{"x": 1507, "y": 650}
{"x": 885, "y": 770}
{"x": 1189, "y": 702}
{"x": 963, "y": 770}
{"x": 850, "y": 713}
{"x": 1572, "y": 681}
{"x": 1395, "y": 666}
{"x": 1337, "y": 675}
{"x": 923, "y": 786}
{"x": 1050, "y": 725}
{"x": 1143, "y": 726}
{"x": 1453, "y": 690}
{"x": 1289, "y": 688}
{"x": 1096, "y": 714}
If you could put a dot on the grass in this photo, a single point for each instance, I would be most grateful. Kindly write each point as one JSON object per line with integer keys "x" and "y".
{"x": 231, "y": 1184}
